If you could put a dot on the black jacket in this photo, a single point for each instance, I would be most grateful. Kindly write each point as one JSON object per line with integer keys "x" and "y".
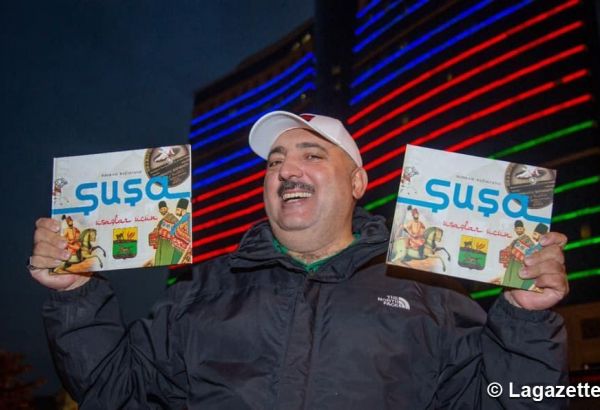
{"x": 255, "y": 330}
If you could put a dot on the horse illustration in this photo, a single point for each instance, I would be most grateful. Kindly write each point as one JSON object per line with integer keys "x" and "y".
{"x": 86, "y": 251}
{"x": 402, "y": 253}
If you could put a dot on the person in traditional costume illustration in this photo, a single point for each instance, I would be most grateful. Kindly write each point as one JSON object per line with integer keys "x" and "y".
{"x": 539, "y": 230}
{"x": 71, "y": 234}
{"x": 181, "y": 232}
{"x": 517, "y": 252}
{"x": 416, "y": 232}
{"x": 160, "y": 237}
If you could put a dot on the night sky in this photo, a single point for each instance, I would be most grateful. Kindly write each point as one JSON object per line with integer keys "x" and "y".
{"x": 88, "y": 76}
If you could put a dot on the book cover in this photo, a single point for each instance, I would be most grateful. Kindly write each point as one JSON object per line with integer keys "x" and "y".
{"x": 126, "y": 209}
{"x": 469, "y": 217}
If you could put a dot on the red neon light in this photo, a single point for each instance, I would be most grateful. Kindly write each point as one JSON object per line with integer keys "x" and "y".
{"x": 227, "y": 187}
{"x": 215, "y": 253}
{"x": 463, "y": 77}
{"x": 229, "y": 201}
{"x": 224, "y": 234}
{"x": 501, "y": 105}
{"x": 228, "y": 217}
{"x": 386, "y": 178}
{"x": 459, "y": 58}
{"x": 467, "y": 97}
{"x": 544, "y": 113}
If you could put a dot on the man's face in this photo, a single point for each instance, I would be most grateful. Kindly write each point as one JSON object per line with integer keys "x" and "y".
{"x": 179, "y": 211}
{"x": 536, "y": 236}
{"x": 163, "y": 210}
{"x": 519, "y": 230}
{"x": 308, "y": 184}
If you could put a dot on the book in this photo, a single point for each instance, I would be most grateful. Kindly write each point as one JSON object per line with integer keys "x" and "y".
{"x": 126, "y": 209}
{"x": 469, "y": 217}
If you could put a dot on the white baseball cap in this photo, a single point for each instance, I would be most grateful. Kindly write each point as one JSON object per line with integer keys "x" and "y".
{"x": 270, "y": 126}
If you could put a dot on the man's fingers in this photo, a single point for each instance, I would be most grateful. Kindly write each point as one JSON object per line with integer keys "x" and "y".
{"x": 44, "y": 249}
{"x": 44, "y": 262}
{"x": 556, "y": 282}
{"x": 554, "y": 238}
{"x": 48, "y": 223}
{"x": 551, "y": 252}
{"x": 545, "y": 267}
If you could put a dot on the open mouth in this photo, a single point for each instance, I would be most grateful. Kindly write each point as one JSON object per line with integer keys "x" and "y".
{"x": 295, "y": 190}
{"x": 290, "y": 196}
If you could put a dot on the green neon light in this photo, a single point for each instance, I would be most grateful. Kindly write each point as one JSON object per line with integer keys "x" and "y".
{"x": 576, "y": 214}
{"x": 171, "y": 280}
{"x": 583, "y": 274}
{"x": 577, "y": 184}
{"x": 544, "y": 139}
{"x": 380, "y": 202}
{"x": 571, "y": 277}
{"x": 584, "y": 242}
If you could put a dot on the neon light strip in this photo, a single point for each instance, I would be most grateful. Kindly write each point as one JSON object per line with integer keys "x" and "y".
{"x": 380, "y": 202}
{"x": 424, "y": 38}
{"x": 465, "y": 76}
{"x": 215, "y": 253}
{"x": 584, "y": 242}
{"x": 221, "y": 161}
{"x": 544, "y": 139}
{"x": 463, "y": 56}
{"x": 254, "y": 91}
{"x": 577, "y": 184}
{"x": 362, "y": 12}
{"x": 571, "y": 277}
{"x": 223, "y": 188}
{"x": 576, "y": 214}
{"x": 228, "y": 201}
{"x": 495, "y": 131}
{"x": 424, "y": 57}
{"x": 548, "y": 111}
{"x": 223, "y": 174}
{"x": 377, "y": 17}
{"x": 468, "y": 97}
{"x": 307, "y": 86}
{"x": 251, "y": 106}
{"x": 223, "y": 234}
{"x": 583, "y": 274}
{"x": 229, "y": 216}
{"x": 387, "y": 26}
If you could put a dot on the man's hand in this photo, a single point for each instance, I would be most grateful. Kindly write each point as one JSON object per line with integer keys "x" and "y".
{"x": 49, "y": 251}
{"x": 547, "y": 269}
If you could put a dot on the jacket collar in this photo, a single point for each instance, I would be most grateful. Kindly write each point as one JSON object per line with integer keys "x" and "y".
{"x": 256, "y": 250}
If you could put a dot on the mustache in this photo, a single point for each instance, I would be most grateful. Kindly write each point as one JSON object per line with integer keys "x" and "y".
{"x": 289, "y": 185}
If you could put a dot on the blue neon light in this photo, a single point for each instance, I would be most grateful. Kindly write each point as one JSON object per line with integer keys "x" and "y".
{"x": 360, "y": 13}
{"x": 385, "y": 27}
{"x": 257, "y": 103}
{"x": 418, "y": 42}
{"x": 361, "y": 96}
{"x": 376, "y": 17}
{"x": 226, "y": 173}
{"x": 307, "y": 86}
{"x": 221, "y": 161}
{"x": 253, "y": 91}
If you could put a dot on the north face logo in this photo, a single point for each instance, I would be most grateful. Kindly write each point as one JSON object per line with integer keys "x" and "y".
{"x": 395, "y": 302}
{"x": 307, "y": 117}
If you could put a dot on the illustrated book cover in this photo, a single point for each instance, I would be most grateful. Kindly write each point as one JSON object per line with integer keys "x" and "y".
{"x": 126, "y": 209}
{"x": 469, "y": 217}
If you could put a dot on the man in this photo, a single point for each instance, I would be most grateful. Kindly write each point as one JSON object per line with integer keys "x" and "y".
{"x": 71, "y": 234}
{"x": 516, "y": 251}
{"x": 415, "y": 230}
{"x": 161, "y": 236}
{"x": 181, "y": 232}
{"x": 304, "y": 314}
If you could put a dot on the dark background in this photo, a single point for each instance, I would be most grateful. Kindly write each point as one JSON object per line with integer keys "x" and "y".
{"x": 82, "y": 77}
